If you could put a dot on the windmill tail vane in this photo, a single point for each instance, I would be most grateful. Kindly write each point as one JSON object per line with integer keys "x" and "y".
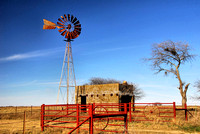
{"x": 48, "y": 24}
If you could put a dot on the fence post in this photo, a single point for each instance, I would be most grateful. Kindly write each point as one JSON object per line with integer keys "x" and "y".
{"x": 186, "y": 117}
{"x": 24, "y": 122}
{"x": 174, "y": 110}
{"x": 42, "y": 117}
{"x": 91, "y": 118}
{"x": 16, "y": 110}
{"x": 31, "y": 110}
{"x": 77, "y": 117}
{"x": 130, "y": 111}
{"x": 125, "y": 119}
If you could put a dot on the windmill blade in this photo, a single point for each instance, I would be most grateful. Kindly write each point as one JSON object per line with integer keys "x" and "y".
{"x": 77, "y": 23}
{"x": 77, "y": 26}
{"x": 77, "y": 32}
{"x": 67, "y": 35}
{"x": 63, "y": 33}
{"x": 69, "y": 17}
{"x": 65, "y": 17}
{"x": 60, "y": 24}
{"x": 72, "y": 18}
{"x": 76, "y": 36}
{"x": 61, "y": 30}
{"x": 77, "y": 29}
{"x": 61, "y": 20}
{"x": 73, "y": 35}
{"x": 75, "y": 19}
{"x": 59, "y": 27}
{"x": 70, "y": 35}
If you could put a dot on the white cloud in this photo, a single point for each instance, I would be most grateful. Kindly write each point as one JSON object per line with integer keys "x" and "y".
{"x": 33, "y": 54}
{"x": 30, "y": 83}
{"x": 22, "y": 84}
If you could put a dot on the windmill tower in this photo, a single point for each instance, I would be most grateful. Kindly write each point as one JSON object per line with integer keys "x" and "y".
{"x": 69, "y": 27}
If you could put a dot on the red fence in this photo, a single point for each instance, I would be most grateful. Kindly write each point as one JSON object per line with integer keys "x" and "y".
{"x": 107, "y": 117}
{"x": 86, "y": 117}
{"x": 164, "y": 112}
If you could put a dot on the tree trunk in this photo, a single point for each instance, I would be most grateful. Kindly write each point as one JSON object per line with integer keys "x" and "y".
{"x": 184, "y": 99}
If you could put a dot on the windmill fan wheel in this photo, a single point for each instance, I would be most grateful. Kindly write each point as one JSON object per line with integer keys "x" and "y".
{"x": 69, "y": 26}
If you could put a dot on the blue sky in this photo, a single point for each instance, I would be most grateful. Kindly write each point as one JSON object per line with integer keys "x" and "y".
{"x": 116, "y": 36}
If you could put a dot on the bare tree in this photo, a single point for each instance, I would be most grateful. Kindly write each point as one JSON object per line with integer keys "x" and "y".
{"x": 96, "y": 80}
{"x": 138, "y": 93}
{"x": 197, "y": 84}
{"x": 167, "y": 57}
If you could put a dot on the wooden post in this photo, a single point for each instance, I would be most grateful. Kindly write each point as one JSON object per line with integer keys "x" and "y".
{"x": 31, "y": 110}
{"x": 16, "y": 110}
{"x": 24, "y": 122}
{"x": 174, "y": 110}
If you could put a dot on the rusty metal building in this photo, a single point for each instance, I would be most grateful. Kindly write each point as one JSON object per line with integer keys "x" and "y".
{"x": 105, "y": 93}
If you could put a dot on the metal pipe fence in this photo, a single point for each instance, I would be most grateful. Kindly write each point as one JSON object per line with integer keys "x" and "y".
{"x": 105, "y": 117}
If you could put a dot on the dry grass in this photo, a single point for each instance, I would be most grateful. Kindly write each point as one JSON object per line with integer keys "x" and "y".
{"x": 12, "y": 122}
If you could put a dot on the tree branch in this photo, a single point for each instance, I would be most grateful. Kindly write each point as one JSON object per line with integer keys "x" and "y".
{"x": 186, "y": 88}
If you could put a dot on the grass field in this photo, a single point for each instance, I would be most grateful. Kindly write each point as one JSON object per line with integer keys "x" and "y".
{"x": 11, "y": 122}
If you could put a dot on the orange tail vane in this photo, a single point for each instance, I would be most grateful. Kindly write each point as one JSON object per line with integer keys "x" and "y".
{"x": 48, "y": 24}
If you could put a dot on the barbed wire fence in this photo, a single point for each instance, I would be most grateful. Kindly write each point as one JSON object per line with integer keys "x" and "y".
{"x": 28, "y": 116}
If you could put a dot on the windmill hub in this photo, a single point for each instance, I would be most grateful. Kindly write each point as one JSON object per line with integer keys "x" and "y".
{"x": 69, "y": 26}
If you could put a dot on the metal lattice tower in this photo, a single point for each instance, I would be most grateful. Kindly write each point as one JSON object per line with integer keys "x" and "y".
{"x": 70, "y": 27}
{"x": 67, "y": 79}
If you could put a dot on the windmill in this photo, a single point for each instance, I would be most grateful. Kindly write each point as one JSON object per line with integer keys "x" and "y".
{"x": 69, "y": 27}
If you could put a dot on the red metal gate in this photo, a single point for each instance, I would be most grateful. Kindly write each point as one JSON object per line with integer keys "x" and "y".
{"x": 92, "y": 117}
{"x": 106, "y": 117}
